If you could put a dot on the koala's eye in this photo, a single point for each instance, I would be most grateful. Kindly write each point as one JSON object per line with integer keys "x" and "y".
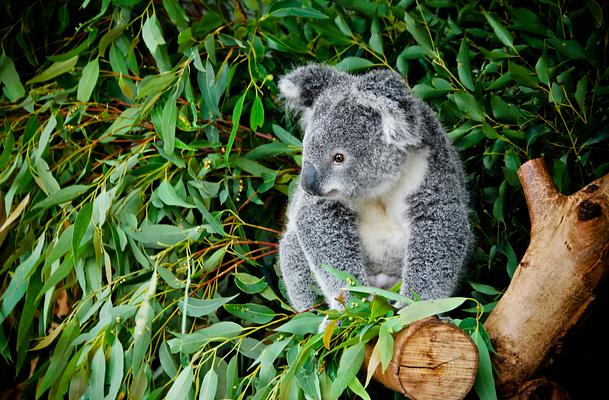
{"x": 339, "y": 158}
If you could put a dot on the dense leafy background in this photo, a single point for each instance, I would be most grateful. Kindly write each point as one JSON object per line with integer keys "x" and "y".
{"x": 146, "y": 163}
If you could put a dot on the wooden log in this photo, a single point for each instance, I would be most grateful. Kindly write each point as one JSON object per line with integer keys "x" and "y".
{"x": 567, "y": 259}
{"x": 432, "y": 360}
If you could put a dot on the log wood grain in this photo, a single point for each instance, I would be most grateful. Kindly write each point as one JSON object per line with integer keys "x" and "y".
{"x": 432, "y": 360}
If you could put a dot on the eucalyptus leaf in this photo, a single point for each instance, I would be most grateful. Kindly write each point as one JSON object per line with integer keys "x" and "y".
{"x": 380, "y": 292}
{"x": 463, "y": 66}
{"x": 484, "y": 385}
{"x": 181, "y": 386}
{"x": 285, "y": 9}
{"x": 156, "y": 235}
{"x": 56, "y": 69}
{"x": 353, "y": 64}
{"x": 569, "y": 48}
{"x": 385, "y": 343}
{"x": 192, "y": 342}
{"x": 45, "y": 136}
{"x": 209, "y": 386}
{"x": 176, "y": 13}
{"x": 115, "y": 369}
{"x": 468, "y": 104}
{"x": 255, "y": 313}
{"x": 349, "y": 364}
{"x": 257, "y": 113}
{"x": 427, "y": 308}
{"x": 81, "y": 225}
{"x": 249, "y": 283}
{"x": 98, "y": 372}
{"x": 18, "y": 284}
{"x": 419, "y": 33}
{"x": 501, "y": 32}
{"x": 167, "y": 362}
{"x": 10, "y": 78}
{"x": 236, "y": 117}
{"x": 123, "y": 124}
{"x": 376, "y": 39}
{"x": 343, "y": 25}
{"x": 87, "y": 82}
{"x": 301, "y": 324}
{"x": 542, "y": 69}
{"x": 170, "y": 196}
{"x": 152, "y": 34}
{"x": 580, "y": 94}
{"x": 357, "y": 388}
{"x": 483, "y": 288}
{"x": 168, "y": 123}
{"x": 202, "y": 307}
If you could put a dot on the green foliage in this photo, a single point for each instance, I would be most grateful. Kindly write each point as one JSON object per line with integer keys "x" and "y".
{"x": 147, "y": 160}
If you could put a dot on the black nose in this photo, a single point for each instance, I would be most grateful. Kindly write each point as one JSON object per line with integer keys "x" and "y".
{"x": 308, "y": 179}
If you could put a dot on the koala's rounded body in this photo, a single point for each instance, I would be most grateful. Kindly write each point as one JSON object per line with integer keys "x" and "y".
{"x": 381, "y": 195}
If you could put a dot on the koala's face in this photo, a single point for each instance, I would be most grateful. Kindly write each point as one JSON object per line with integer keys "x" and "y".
{"x": 358, "y": 129}
{"x": 345, "y": 154}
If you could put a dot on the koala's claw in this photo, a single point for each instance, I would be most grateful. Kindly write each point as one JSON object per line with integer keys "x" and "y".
{"x": 445, "y": 318}
{"x": 398, "y": 305}
{"x": 323, "y": 325}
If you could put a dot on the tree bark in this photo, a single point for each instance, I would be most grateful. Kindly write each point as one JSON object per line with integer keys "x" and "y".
{"x": 431, "y": 360}
{"x": 566, "y": 261}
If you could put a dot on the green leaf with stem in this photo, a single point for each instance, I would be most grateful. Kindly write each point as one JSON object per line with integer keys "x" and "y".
{"x": 501, "y": 31}
{"x": 233, "y": 133}
{"x": 348, "y": 366}
{"x": 88, "y": 80}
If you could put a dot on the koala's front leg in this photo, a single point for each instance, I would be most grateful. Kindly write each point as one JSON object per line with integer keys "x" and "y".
{"x": 327, "y": 232}
{"x": 439, "y": 242}
{"x": 296, "y": 272}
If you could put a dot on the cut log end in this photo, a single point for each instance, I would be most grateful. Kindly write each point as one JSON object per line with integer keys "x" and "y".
{"x": 432, "y": 360}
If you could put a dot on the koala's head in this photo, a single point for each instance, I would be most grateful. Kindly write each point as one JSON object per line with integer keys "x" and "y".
{"x": 358, "y": 129}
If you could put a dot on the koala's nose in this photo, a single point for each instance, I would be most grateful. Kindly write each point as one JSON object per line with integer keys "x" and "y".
{"x": 308, "y": 179}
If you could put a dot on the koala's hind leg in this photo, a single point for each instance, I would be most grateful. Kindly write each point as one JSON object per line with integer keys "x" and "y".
{"x": 296, "y": 272}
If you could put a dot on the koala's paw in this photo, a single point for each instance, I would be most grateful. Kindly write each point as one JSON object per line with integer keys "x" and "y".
{"x": 445, "y": 318}
{"x": 398, "y": 305}
{"x": 324, "y": 324}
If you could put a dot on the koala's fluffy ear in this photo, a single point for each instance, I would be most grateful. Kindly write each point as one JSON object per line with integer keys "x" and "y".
{"x": 302, "y": 86}
{"x": 386, "y": 92}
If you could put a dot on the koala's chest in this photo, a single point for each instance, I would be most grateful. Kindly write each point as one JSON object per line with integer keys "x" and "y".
{"x": 383, "y": 232}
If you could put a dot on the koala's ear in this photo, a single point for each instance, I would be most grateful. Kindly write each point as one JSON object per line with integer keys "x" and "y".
{"x": 302, "y": 86}
{"x": 384, "y": 82}
{"x": 386, "y": 92}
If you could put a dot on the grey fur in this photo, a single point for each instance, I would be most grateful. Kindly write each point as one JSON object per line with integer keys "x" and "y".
{"x": 396, "y": 208}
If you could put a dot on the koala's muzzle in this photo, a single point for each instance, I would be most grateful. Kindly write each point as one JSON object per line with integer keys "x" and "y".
{"x": 309, "y": 180}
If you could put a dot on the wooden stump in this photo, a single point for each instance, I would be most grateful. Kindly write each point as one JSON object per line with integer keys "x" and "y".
{"x": 431, "y": 360}
{"x": 567, "y": 259}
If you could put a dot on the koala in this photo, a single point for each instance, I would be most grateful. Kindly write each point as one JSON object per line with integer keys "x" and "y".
{"x": 382, "y": 193}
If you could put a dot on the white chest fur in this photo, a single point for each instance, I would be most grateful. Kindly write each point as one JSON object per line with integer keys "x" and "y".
{"x": 383, "y": 223}
{"x": 382, "y": 233}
